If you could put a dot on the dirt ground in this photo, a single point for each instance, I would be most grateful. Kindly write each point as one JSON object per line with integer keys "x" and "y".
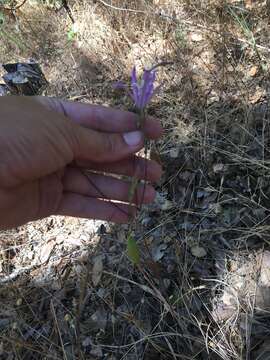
{"x": 202, "y": 289}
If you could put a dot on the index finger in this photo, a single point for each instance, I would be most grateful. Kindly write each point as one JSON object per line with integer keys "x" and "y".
{"x": 102, "y": 118}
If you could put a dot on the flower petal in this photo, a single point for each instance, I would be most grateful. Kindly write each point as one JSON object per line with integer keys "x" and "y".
{"x": 148, "y": 87}
{"x": 133, "y": 76}
{"x": 134, "y": 87}
{"x": 119, "y": 85}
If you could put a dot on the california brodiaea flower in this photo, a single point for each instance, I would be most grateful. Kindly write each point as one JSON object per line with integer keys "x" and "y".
{"x": 141, "y": 90}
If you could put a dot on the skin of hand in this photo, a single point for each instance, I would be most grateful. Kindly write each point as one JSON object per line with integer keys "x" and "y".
{"x": 47, "y": 146}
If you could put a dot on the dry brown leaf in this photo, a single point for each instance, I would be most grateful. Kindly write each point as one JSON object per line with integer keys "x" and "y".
{"x": 265, "y": 270}
{"x": 97, "y": 270}
{"x": 253, "y": 71}
{"x": 256, "y": 95}
{"x": 46, "y": 250}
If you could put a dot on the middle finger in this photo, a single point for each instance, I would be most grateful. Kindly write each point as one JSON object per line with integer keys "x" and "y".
{"x": 105, "y": 187}
{"x": 133, "y": 166}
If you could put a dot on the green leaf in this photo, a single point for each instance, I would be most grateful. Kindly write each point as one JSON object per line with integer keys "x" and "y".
{"x": 71, "y": 35}
{"x": 72, "y": 32}
{"x": 133, "y": 250}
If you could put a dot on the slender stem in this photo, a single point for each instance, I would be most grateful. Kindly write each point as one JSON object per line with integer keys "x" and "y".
{"x": 135, "y": 181}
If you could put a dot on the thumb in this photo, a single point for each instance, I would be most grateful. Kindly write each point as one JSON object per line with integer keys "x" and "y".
{"x": 100, "y": 147}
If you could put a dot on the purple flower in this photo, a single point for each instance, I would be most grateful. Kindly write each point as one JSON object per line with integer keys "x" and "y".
{"x": 141, "y": 90}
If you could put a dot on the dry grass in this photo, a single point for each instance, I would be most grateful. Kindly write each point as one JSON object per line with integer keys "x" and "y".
{"x": 214, "y": 107}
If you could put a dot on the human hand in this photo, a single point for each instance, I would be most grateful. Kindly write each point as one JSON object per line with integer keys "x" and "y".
{"x": 48, "y": 145}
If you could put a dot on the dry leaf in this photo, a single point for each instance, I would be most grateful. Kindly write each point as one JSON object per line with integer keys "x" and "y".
{"x": 256, "y": 95}
{"x": 158, "y": 251}
{"x": 97, "y": 270}
{"x": 253, "y": 71}
{"x": 174, "y": 152}
{"x": 46, "y": 250}
{"x": 196, "y": 37}
{"x": 198, "y": 251}
{"x": 19, "y": 301}
{"x": 264, "y": 279}
{"x": 133, "y": 250}
{"x": 218, "y": 168}
{"x": 167, "y": 205}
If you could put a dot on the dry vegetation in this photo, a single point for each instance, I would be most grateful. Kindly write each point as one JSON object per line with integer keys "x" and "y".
{"x": 202, "y": 290}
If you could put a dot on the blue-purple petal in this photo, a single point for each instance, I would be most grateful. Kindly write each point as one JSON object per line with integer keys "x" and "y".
{"x": 134, "y": 87}
{"x": 119, "y": 85}
{"x": 148, "y": 87}
{"x": 133, "y": 76}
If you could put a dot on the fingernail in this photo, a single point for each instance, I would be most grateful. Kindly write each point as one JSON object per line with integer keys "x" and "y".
{"x": 133, "y": 138}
